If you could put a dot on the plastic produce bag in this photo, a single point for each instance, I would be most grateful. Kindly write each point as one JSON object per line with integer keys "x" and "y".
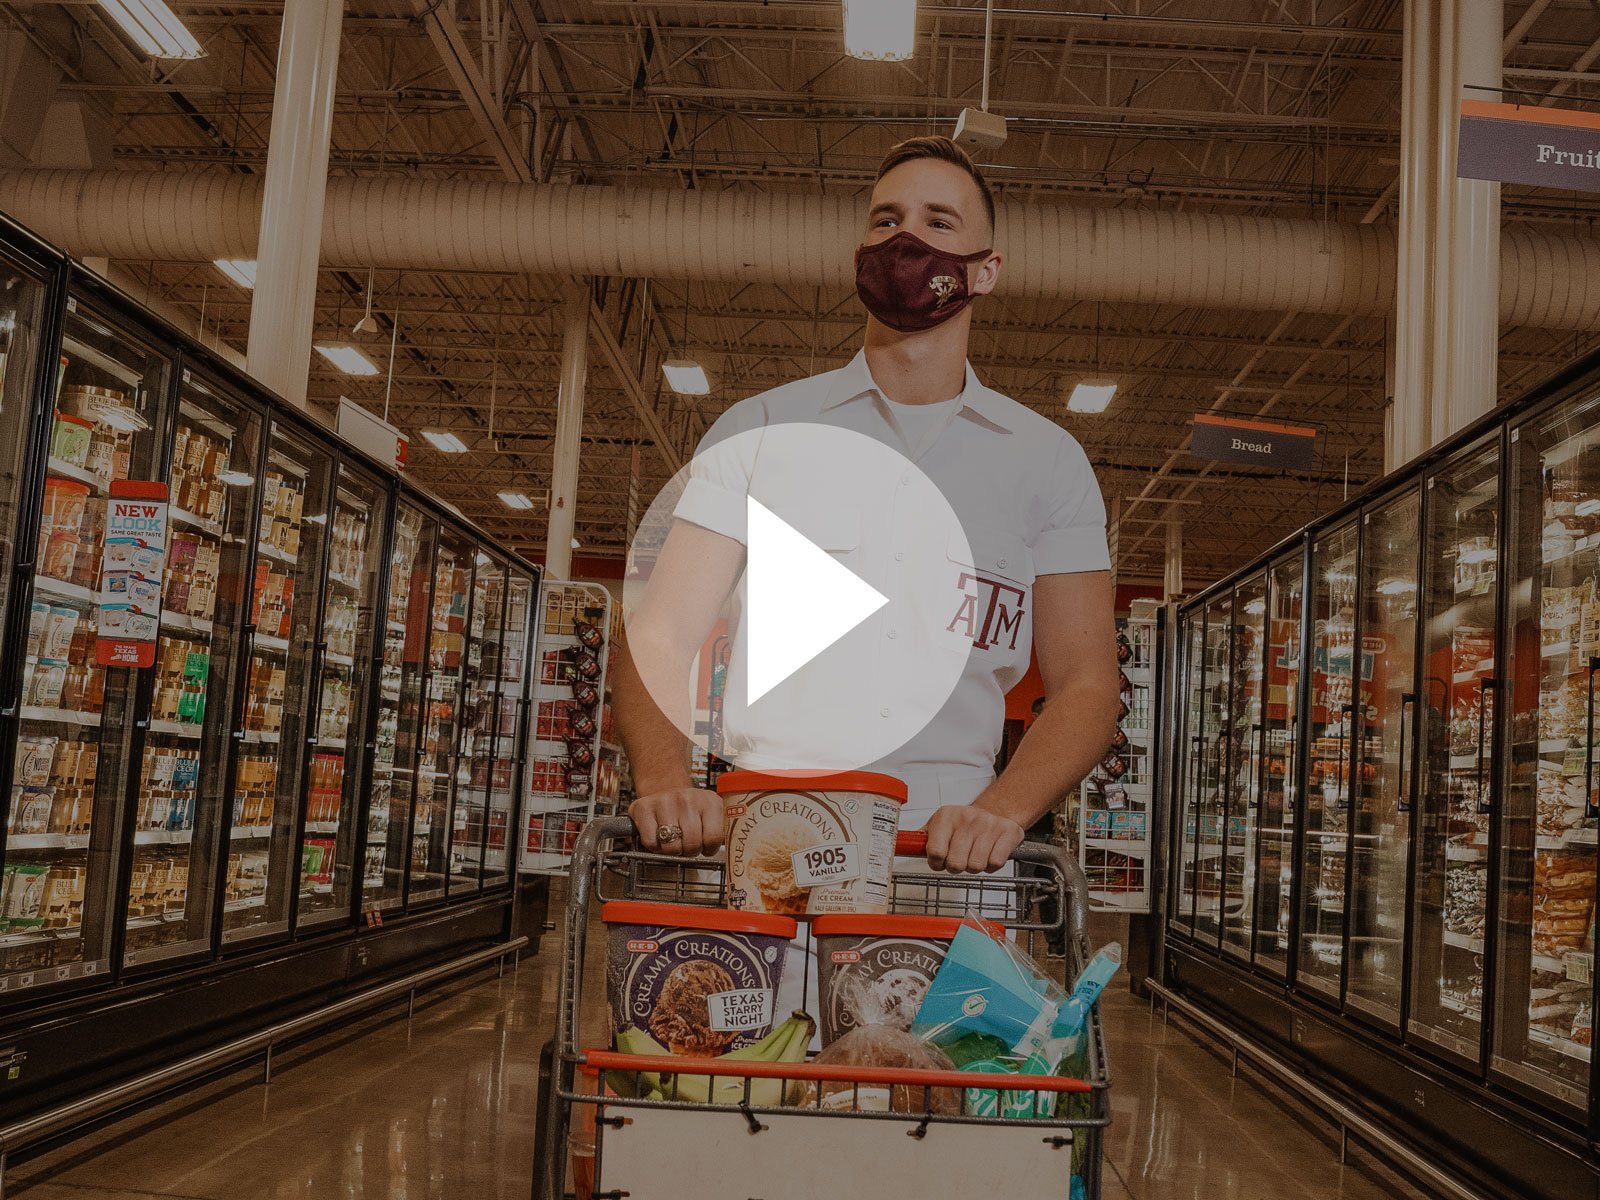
{"x": 883, "y": 1046}
{"x": 993, "y": 1010}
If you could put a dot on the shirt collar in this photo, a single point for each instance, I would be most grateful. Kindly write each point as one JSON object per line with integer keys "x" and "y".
{"x": 977, "y": 401}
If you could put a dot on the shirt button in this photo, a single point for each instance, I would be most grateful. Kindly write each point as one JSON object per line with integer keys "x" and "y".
{"x": 899, "y": 556}
{"x": 894, "y": 633}
{"x": 1002, "y": 562}
{"x": 905, "y": 480}
{"x": 884, "y": 711}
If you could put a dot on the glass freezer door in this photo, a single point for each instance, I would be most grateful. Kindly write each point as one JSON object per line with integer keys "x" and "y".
{"x": 1322, "y": 891}
{"x": 1450, "y": 905}
{"x": 436, "y": 766}
{"x": 510, "y": 723}
{"x": 76, "y": 721}
{"x": 480, "y": 693}
{"x": 23, "y": 295}
{"x": 1279, "y": 787}
{"x": 281, "y": 631}
{"x": 1544, "y": 936}
{"x": 1245, "y": 728}
{"x": 1386, "y": 737}
{"x": 394, "y": 767}
{"x": 344, "y": 677}
{"x": 1192, "y": 644}
{"x": 182, "y": 803}
{"x": 1213, "y": 769}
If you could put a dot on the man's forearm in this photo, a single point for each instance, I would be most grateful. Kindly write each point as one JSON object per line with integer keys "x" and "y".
{"x": 1069, "y": 737}
{"x": 658, "y": 752}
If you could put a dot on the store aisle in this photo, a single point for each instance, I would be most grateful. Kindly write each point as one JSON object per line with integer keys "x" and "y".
{"x": 442, "y": 1109}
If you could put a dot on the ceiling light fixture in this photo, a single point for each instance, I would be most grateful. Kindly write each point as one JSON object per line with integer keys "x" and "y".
{"x": 368, "y": 325}
{"x": 154, "y": 28}
{"x": 445, "y": 441}
{"x": 348, "y": 359}
{"x": 241, "y": 270}
{"x": 686, "y": 377}
{"x": 517, "y": 500}
{"x": 576, "y": 544}
{"x": 1092, "y": 395}
{"x": 880, "y": 30}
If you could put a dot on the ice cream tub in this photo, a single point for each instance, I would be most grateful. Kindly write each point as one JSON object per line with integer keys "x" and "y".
{"x": 694, "y": 981}
{"x": 803, "y": 844}
{"x": 130, "y": 554}
{"x": 873, "y": 970}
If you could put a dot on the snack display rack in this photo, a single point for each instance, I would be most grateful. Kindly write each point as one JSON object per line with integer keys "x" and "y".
{"x": 569, "y": 756}
{"x": 659, "y": 1146}
{"x": 1114, "y": 803}
{"x": 1427, "y": 836}
{"x": 229, "y": 810}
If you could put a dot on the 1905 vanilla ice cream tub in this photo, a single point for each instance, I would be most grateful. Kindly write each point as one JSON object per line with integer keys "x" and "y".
{"x": 803, "y": 845}
{"x": 874, "y": 970}
{"x": 698, "y": 981}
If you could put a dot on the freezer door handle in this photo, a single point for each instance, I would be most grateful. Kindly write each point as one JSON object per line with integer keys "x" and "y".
{"x": 1484, "y": 688}
{"x": 1341, "y": 771}
{"x": 1407, "y": 777}
{"x": 1591, "y": 810}
{"x": 1252, "y": 779}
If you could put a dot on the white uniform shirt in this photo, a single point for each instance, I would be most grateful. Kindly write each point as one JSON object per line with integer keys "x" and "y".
{"x": 1029, "y": 504}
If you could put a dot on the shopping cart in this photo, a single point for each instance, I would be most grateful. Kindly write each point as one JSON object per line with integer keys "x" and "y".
{"x": 670, "y": 1149}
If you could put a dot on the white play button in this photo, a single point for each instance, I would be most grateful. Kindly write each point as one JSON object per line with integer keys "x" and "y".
{"x": 800, "y": 600}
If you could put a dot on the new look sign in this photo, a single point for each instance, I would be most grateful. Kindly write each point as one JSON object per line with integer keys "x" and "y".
{"x": 1515, "y": 143}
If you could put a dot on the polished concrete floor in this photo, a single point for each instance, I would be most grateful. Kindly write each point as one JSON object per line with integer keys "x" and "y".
{"x": 441, "y": 1108}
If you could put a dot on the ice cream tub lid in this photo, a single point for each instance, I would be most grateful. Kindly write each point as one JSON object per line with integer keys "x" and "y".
{"x": 738, "y": 782}
{"x": 690, "y": 916}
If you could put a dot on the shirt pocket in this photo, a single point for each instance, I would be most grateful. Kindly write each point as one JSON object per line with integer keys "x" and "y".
{"x": 993, "y": 576}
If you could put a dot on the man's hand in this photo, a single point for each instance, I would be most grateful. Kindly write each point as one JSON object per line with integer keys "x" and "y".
{"x": 697, "y": 813}
{"x": 965, "y": 839}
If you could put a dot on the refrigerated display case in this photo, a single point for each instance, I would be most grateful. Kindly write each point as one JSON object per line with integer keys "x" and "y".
{"x": 1450, "y": 905}
{"x": 1189, "y": 773}
{"x": 1247, "y": 665}
{"x": 1327, "y": 796}
{"x": 480, "y": 725}
{"x": 441, "y": 728}
{"x": 183, "y": 799}
{"x": 1280, "y": 789}
{"x": 511, "y": 726}
{"x": 76, "y": 722}
{"x": 1385, "y": 775}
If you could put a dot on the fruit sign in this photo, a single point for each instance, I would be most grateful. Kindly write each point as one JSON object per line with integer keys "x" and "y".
{"x": 131, "y": 568}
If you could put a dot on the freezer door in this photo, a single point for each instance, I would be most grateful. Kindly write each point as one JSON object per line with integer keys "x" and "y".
{"x": 77, "y": 724}
{"x": 1386, "y": 740}
{"x": 282, "y": 634}
{"x": 405, "y": 651}
{"x": 1213, "y": 773}
{"x": 1544, "y": 936}
{"x": 441, "y": 741}
{"x": 1187, "y": 822}
{"x": 510, "y": 717}
{"x": 1280, "y": 718}
{"x": 183, "y": 809}
{"x": 1245, "y": 726}
{"x": 1320, "y": 955}
{"x": 333, "y": 798}
{"x": 1460, "y": 674}
{"x": 480, "y": 707}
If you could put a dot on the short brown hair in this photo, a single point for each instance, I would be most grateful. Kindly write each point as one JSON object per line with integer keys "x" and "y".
{"x": 941, "y": 149}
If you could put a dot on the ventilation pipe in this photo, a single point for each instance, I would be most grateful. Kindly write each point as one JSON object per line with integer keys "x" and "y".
{"x": 1052, "y": 251}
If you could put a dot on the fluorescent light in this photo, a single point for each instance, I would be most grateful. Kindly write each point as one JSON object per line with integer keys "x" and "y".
{"x": 154, "y": 28}
{"x": 444, "y": 440}
{"x": 881, "y": 30}
{"x": 576, "y": 544}
{"x": 517, "y": 500}
{"x": 686, "y": 377}
{"x": 241, "y": 270}
{"x": 348, "y": 359}
{"x": 1092, "y": 395}
{"x": 1396, "y": 587}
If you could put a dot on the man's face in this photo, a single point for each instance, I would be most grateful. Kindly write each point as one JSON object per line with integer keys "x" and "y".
{"x": 939, "y": 203}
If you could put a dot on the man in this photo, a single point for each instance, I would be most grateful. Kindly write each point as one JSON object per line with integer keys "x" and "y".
{"x": 1021, "y": 487}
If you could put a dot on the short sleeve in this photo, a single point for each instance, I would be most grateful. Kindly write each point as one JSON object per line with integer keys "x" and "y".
{"x": 1072, "y": 531}
{"x": 715, "y": 495}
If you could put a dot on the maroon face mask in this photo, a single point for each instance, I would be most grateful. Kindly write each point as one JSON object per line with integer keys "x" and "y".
{"x": 910, "y": 285}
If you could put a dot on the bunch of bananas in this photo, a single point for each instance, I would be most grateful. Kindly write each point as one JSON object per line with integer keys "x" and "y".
{"x": 787, "y": 1043}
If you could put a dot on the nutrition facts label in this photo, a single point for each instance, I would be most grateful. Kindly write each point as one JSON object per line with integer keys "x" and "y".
{"x": 880, "y": 851}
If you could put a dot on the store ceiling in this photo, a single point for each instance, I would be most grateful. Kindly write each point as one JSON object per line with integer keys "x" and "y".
{"x": 1282, "y": 107}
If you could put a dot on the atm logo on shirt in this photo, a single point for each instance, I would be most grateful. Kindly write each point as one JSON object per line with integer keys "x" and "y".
{"x": 990, "y": 615}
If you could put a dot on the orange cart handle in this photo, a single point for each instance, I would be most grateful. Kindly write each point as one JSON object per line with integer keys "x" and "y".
{"x": 595, "y": 1061}
{"x": 911, "y": 843}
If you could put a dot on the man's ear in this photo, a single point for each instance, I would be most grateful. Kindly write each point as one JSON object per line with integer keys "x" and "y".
{"x": 987, "y": 275}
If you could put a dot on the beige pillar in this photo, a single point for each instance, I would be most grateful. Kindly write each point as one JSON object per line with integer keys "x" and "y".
{"x": 569, "y": 432}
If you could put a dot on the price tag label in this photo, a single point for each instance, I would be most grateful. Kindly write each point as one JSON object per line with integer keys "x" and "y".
{"x": 750, "y": 1009}
{"x": 822, "y": 865}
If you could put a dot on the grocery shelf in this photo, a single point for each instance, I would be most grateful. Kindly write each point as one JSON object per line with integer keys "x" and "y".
{"x": 59, "y": 716}
{"x": 116, "y": 368}
{"x": 62, "y": 590}
{"x": 183, "y": 621}
{"x": 245, "y": 902}
{"x": 397, "y": 626}
{"x": 1121, "y": 845}
{"x": 268, "y": 550}
{"x": 180, "y": 729}
{"x": 265, "y": 641}
{"x": 1557, "y": 1043}
{"x": 181, "y": 516}
{"x": 1462, "y": 941}
{"x": 544, "y": 860}
{"x": 61, "y": 468}
{"x": 154, "y": 919}
{"x": 48, "y": 841}
{"x": 247, "y": 833}
{"x": 1465, "y": 853}
{"x": 32, "y": 937}
{"x": 353, "y": 585}
{"x": 163, "y": 837}
{"x": 331, "y": 743}
{"x": 322, "y": 827}
{"x": 338, "y": 660}
{"x": 261, "y": 737}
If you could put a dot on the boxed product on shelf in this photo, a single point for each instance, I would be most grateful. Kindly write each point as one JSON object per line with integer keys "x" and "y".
{"x": 255, "y": 788}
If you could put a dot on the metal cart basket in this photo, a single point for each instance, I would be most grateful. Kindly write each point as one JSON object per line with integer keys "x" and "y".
{"x": 666, "y": 1149}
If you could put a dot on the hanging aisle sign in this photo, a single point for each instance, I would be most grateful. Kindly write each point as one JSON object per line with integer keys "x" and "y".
{"x": 1518, "y": 143}
{"x": 132, "y": 563}
{"x": 1254, "y": 443}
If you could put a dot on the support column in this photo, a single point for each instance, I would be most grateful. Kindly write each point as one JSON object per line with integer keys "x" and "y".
{"x": 569, "y": 431}
{"x": 283, "y": 309}
{"x": 1172, "y": 575}
{"x": 1413, "y": 360}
